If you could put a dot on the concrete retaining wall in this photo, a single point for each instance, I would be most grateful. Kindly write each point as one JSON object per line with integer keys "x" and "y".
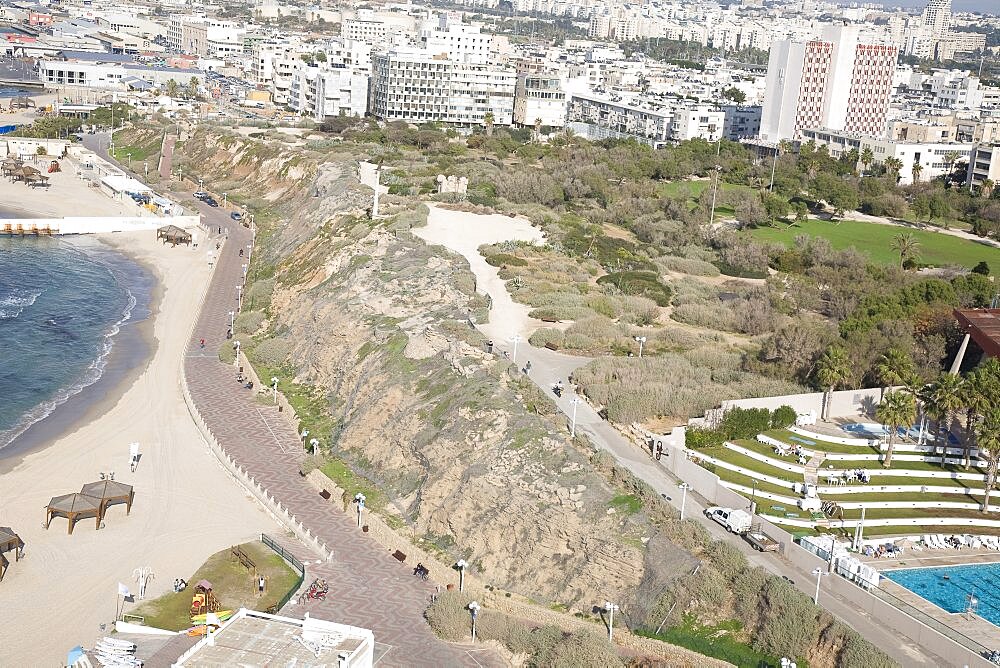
{"x": 843, "y": 402}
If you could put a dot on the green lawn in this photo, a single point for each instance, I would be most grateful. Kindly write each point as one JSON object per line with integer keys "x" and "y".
{"x": 233, "y": 585}
{"x": 725, "y": 454}
{"x": 716, "y": 641}
{"x": 694, "y": 189}
{"x": 879, "y": 480}
{"x": 788, "y": 437}
{"x": 762, "y": 486}
{"x": 874, "y": 240}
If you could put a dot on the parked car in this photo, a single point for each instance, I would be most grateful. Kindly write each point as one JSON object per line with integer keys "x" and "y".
{"x": 736, "y": 521}
{"x": 199, "y": 195}
{"x": 236, "y": 215}
{"x": 210, "y": 201}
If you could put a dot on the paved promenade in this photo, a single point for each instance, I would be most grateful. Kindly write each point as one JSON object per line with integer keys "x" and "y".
{"x": 368, "y": 587}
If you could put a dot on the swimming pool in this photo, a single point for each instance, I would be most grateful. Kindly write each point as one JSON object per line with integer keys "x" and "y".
{"x": 948, "y": 586}
{"x": 875, "y": 430}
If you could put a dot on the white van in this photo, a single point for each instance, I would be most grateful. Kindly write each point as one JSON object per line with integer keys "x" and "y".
{"x": 736, "y": 521}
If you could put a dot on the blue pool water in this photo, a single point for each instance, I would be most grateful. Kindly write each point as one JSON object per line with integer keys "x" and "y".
{"x": 875, "y": 430}
{"x": 948, "y": 587}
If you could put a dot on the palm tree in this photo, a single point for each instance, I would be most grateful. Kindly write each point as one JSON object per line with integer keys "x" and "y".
{"x": 916, "y": 170}
{"x": 988, "y": 437}
{"x": 950, "y": 157}
{"x": 978, "y": 398}
{"x": 867, "y": 157}
{"x": 906, "y": 245}
{"x": 832, "y": 371}
{"x": 946, "y": 399}
{"x": 193, "y": 86}
{"x": 488, "y": 121}
{"x": 987, "y": 188}
{"x": 172, "y": 87}
{"x": 893, "y": 166}
{"x": 894, "y": 367}
{"x": 896, "y": 409}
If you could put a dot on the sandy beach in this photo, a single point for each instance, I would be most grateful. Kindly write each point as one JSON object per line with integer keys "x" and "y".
{"x": 186, "y": 506}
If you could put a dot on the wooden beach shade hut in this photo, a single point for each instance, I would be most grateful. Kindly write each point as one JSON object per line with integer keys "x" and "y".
{"x": 108, "y": 493}
{"x": 9, "y": 541}
{"x": 10, "y": 167}
{"x": 174, "y": 235}
{"x": 73, "y": 507}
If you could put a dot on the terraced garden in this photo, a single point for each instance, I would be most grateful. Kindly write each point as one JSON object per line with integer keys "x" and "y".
{"x": 907, "y": 498}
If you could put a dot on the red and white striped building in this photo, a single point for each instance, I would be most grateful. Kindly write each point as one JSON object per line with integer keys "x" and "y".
{"x": 833, "y": 82}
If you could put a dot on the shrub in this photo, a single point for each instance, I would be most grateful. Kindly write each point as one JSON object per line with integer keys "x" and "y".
{"x": 448, "y": 615}
{"x": 547, "y": 335}
{"x": 272, "y": 352}
{"x": 982, "y": 268}
{"x": 502, "y": 259}
{"x": 745, "y": 422}
{"x": 690, "y": 266}
{"x": 857, "y": 651}
{"x": 726, "y": 557}
{"x": 583, "y": 648}
{"x": 710, "y": 316}
{"x": 696, "y": 439}
{"x": 644, "y": 283}
{"x": 249, "y": 322}
{"x": 787, "y": 620}
{"x": 783, "y": 416}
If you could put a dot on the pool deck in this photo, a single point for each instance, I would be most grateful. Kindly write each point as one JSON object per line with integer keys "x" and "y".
{"x": 972, "y": 626}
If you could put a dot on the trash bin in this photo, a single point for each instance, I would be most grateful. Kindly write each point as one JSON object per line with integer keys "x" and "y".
{"x": 489, "y": 346}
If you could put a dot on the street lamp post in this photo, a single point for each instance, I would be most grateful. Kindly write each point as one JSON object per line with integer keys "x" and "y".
{"x": 359, "y": 498}
{"x": 474, "y": 611}
{"x": 236, "y": 345}
{"x": 239, "y": 297}
{"x": 684, "y": 487}
{"x": 516, "y": 339}
{"x": 640, "y": 340}
{"x": 201, "y": 185}
{"x": 610, "y": 608}
{"x": 753, "y": 497}
{"x": 274, "y": 388}
{"x": 232, "y": 320}
{"x": 460, "y": 565}
{"x": 715, "y": 192}
{"x": 314, "y": 443}
{"x": 575, "y": 401}
{"x": 224, "y": 199}
{"x": 818, "y": 572}
{"x": 304, "y": 434}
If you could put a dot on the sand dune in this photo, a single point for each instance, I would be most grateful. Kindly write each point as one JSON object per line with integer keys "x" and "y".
{"x": 186, "y": 506}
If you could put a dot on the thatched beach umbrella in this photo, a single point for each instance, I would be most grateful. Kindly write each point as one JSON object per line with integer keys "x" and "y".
{"x": 73, "y": 507}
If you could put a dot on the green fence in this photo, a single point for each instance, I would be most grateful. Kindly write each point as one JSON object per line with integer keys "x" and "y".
{"x": 293, "y": 562}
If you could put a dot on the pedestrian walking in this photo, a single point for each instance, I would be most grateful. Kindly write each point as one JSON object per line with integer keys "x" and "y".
{"x": 659, "y": 450}
{"x": 241, "y": 252}
{"x": 220, "y": 229}
{"x": 203, "y": 343}
{"x": 260, "y": 585}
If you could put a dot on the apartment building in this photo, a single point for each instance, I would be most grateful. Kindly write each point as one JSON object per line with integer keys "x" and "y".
{"x": 539, "y": 97}
{"x": 933, "y": 156}
{"x": 418, "y": 86}
{"x": 984, "y": 164}
{"x": 833, "y": 81}
{"x": 322, "y": 91}
{"x": 458, "y": 41}
{"x": 656, "y": 122}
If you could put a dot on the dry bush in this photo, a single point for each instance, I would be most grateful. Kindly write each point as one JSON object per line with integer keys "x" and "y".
{"x": 672, "y": 385}
{"x": 708, "y": 315}
{"x": 546, "y": 335}
{"x": 272, "y": 352}
{"x": 694, "y": 292}
{"x": 448, "y": 615}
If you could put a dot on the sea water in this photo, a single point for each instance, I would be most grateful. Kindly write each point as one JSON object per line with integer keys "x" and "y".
{"x": 63, "y": 301}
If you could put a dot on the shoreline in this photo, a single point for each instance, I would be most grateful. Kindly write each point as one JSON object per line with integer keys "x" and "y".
{"x": 187, "y": 505}
{"x": 132, "y": 350}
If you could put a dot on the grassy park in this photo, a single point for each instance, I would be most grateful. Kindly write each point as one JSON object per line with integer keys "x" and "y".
{"x": 233, "y": 584}
{"x": 875, "y": 241}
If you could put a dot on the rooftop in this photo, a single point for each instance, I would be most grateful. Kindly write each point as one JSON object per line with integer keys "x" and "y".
{"x": 258, "y": 639}
{"x": 984, "y": 327}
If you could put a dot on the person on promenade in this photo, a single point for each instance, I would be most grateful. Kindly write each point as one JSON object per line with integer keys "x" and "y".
{"x": 203, "y": 343}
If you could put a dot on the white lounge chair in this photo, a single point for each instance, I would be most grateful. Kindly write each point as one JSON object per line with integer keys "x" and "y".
{"x": 991, "y": 542}
{"x": 939, "y": 541}
{"x": 928, "y": 541}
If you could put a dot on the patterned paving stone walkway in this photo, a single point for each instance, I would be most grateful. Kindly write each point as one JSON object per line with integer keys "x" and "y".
{"x": 368, "y": 587}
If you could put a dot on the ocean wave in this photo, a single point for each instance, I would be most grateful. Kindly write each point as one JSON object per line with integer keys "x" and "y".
{"x": 14, "y": 304}
{"x": 93, "y": 373}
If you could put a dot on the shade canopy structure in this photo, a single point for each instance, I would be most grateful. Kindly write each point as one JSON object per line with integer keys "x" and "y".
{"x": 173, "y": 234}
{"x": 73, "y": 507}
{"x": 9, "y": 540}
{"x": 109, "y": 493}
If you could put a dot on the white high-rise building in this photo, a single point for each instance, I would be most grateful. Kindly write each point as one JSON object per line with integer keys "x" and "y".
{"x": 419, "y": 86}
{"x": 831, "y": 82}
{"x": 937, "y": 18}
